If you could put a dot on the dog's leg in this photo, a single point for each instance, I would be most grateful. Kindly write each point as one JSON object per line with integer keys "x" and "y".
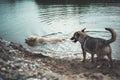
{"x": 84, "y": 56}
{"x": 100, "y": 60}
{"x": 110, "y": 60}
{"x": 92, "y": 57}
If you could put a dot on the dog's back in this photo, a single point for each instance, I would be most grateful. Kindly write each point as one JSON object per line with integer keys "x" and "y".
{"x": 93, "y": 44}
{"x": 33, "y": 40}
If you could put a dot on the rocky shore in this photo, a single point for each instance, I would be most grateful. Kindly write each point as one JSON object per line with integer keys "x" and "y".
{"x": 18, "y": 63}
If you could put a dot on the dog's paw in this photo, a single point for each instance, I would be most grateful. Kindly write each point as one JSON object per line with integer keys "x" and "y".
{"x": 82, "y": 60}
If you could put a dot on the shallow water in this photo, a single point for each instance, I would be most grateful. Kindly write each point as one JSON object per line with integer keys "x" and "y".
{"x": 22, "y": 18}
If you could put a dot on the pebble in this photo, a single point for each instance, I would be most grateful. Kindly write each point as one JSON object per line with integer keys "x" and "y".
{"x": 44, "y": 78}
{"x": 32, "y": 79}
{"x": 3, "y": 69}
{"x": 20, "y": 70}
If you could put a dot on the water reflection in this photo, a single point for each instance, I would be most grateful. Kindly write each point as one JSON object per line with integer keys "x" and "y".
{"x": 61, "y": 16}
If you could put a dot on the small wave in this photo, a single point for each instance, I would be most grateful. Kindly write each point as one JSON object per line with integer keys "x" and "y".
{"x": 52, "y": 34}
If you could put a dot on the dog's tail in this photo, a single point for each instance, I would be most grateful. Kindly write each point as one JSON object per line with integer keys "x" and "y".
{"x": 113, "y": 33}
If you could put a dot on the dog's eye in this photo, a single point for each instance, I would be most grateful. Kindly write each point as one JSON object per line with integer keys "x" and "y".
{"x": 76, "y": 36}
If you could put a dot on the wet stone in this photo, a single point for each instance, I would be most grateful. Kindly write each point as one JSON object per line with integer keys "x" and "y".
{"x": 16, "y": 46}
{"x": 44, "y": 78}
{"x": 3, "y": 69}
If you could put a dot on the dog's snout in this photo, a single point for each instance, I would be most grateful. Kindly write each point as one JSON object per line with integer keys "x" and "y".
{"x": 72, "y": 38}
{"x": 26, "y": 40}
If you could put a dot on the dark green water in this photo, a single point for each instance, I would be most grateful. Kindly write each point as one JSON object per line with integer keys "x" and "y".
{"x": 22, "y": 18}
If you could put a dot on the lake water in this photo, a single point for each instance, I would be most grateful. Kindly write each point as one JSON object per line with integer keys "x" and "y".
{"x": 22, "y": 18}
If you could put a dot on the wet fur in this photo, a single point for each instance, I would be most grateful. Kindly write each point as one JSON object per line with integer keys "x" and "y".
{"x": 32, "y": 40}
{"x": 98, "y": 46}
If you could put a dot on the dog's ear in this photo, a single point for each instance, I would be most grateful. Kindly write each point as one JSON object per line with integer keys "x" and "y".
{"x": 83, "y": 30}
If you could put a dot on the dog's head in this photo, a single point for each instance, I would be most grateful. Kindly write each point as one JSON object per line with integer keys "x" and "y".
{"x": 30, "y": 40}
{"x": 77, "y": 35}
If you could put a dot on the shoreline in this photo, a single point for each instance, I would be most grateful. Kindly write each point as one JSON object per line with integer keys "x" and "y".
{"x": 16, "y": 62}
{"x": 75, "y": 1}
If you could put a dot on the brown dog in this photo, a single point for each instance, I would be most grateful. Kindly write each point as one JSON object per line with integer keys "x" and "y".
{"x": 32, "y": 40}
{"x": 98, "y": 46}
